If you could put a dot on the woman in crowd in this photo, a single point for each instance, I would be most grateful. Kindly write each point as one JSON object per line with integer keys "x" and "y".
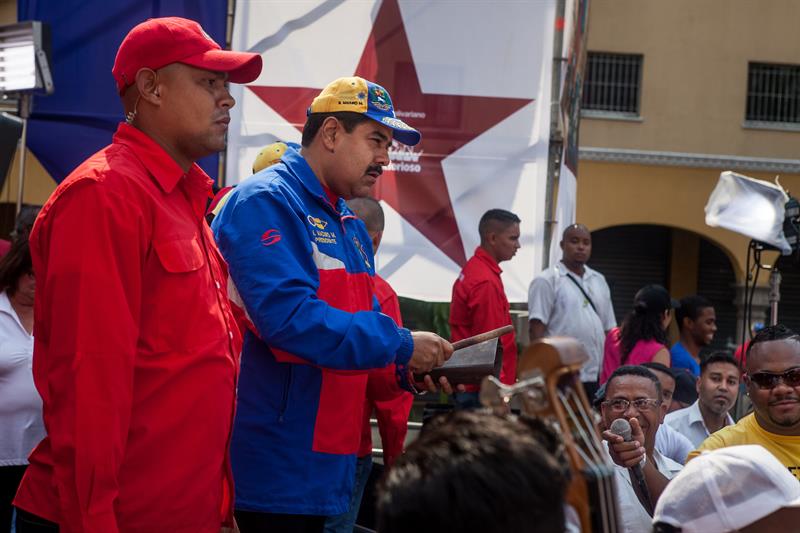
{"x": 642, "y": 338}
{"x": 21, "y": 426}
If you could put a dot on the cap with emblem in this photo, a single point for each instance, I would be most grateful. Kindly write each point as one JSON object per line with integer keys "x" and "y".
{"x": 159, "y": 42}
{"x": 358, "y": 95}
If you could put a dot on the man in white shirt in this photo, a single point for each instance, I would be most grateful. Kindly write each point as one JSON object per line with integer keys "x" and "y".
{"x": 571, "y": 299}
{"x": 717, "y": 390}
{"x": 668, "y": 441}
{"x": 634, "y": 393}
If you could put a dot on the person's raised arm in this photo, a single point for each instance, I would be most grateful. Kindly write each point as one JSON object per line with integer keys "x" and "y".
{"x": 631, "y": 453}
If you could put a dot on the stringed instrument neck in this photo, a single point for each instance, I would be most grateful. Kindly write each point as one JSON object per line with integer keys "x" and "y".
{"x": 549, "y": 388}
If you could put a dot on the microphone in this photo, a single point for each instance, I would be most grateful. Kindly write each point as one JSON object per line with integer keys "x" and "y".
{"x": 622, "y": 427}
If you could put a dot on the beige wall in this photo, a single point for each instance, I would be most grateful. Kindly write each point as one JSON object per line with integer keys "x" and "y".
{"x": 611, "y": 194}
{"x": 694, "y": 79}
{"x": 38, "y": 183}
{"x": 694, "y": 85}
{"x": 8, "y": 11}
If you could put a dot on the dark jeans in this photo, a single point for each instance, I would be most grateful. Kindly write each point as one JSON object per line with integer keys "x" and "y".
{"x": 344, "y": 522}
{"x": 30, "y": 523}
{"x": 255, "y": 522}
{"x": 10, "y": 476}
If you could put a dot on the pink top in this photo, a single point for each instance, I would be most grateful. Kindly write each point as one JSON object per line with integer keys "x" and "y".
{"x": 643, "y": 352}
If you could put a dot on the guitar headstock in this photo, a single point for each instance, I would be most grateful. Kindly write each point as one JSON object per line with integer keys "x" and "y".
{"x": 549, "y": 388}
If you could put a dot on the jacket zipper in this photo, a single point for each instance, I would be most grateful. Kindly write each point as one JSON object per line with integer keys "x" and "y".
{"x": 285, "y": 399}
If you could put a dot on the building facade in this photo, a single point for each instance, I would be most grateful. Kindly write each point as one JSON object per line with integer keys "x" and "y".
{"x": 675, "y": 93}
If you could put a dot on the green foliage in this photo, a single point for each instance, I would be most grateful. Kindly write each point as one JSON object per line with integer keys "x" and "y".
{"x": 419, "y": 315}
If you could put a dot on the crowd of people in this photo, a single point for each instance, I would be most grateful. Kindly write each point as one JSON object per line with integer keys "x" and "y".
{"x": 200, "y": 378}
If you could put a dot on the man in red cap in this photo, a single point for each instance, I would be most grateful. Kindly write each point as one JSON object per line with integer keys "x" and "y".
{"x": 136, "y": 350}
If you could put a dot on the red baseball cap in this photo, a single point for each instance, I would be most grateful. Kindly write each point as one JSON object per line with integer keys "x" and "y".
{"x": 158, "y": 42}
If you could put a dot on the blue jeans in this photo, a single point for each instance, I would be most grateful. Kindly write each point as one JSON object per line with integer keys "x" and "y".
{"x": 344, "y": 522}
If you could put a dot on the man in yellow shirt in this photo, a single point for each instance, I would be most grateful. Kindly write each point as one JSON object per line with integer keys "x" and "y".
{"x": 773, "y": 384}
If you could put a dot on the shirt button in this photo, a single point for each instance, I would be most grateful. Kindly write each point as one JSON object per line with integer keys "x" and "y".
{"x": 230, "y": 334}
{"x": 217, "y": 283}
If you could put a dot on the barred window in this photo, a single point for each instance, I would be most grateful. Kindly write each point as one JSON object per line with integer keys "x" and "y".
{"x": 612, "y": 84}
{"x": 773, "y": 93}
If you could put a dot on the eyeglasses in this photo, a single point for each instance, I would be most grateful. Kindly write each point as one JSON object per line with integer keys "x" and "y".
{"x": 769, "y": 380}
{"x": 621, "y": 405}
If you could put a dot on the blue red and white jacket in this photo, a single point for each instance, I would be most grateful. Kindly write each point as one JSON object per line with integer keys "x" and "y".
{"x": 303, "y": 268}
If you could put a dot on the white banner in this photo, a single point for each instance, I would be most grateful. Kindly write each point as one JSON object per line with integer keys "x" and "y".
{"x": 473, "y": 77}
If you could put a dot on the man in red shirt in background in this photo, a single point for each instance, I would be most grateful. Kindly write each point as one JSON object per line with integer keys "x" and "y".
{"x": 479, "y": 301}
{"x": 391, "y": 404}
{"x": 136, "y": 349}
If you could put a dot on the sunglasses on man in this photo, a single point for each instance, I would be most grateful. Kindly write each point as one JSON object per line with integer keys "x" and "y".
{"x": 769, "y": 380}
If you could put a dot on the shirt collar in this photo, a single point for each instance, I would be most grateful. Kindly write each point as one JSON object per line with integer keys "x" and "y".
{"x": 490, "y": 261}
{"x": 166, "y": 171}
{"x": 6, "y": 307}
{"x": 5, "y": 304}
{"x": 694, "y": 416}
{"x": 564, "y": 271}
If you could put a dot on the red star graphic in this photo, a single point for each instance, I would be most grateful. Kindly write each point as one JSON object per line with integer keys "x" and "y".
{"x": 447, "y": 122}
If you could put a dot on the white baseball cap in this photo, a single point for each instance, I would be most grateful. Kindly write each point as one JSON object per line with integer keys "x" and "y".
{"x": 727, "y": 489}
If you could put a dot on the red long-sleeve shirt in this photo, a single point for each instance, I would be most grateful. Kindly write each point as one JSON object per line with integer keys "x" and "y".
{"x": 136, "y": 350}
{"x": 479, "y": 304}
{"x": 392, "y": 404}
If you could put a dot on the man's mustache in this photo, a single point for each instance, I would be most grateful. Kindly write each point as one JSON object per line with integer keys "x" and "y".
{"x": 374, "y": 169}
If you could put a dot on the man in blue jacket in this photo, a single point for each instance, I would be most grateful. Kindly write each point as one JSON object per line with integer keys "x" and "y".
{"x": 302, "y": 264}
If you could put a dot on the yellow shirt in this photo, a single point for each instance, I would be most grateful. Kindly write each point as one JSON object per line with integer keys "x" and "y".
{"x": 747, "y": 431}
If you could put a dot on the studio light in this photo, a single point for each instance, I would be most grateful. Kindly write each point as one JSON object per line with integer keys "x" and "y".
{"x": 764, "y": 212}
{"x": 24, "y": 62}
{"x": 751, "y": 207}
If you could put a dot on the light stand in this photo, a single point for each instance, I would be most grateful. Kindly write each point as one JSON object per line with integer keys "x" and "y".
{"x": 774, "y": 295}
{"x": 25, "y": 105}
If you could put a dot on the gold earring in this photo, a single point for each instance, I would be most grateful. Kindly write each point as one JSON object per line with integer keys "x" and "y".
{"x": 131, "y": 115}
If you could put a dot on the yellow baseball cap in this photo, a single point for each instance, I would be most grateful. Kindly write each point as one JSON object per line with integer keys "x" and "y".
{"x": 358, "y": 95}
{"x": 269, "y": 155}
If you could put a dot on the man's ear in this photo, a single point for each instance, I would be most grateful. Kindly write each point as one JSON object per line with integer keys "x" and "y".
{"x": 376, "y": 240}
{"x": 148, "y": 86}
{"x": 561, "y": 245}
{"x": 329, "y": 132}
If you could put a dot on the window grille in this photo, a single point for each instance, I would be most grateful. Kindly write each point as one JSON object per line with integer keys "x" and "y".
{"x": 612, "y": 84}
{"x": 773, "y": 93}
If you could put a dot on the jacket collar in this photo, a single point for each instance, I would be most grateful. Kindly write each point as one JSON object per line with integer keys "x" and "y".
{"x": 298, "y": 166}
{"x": 165, "y": 170}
